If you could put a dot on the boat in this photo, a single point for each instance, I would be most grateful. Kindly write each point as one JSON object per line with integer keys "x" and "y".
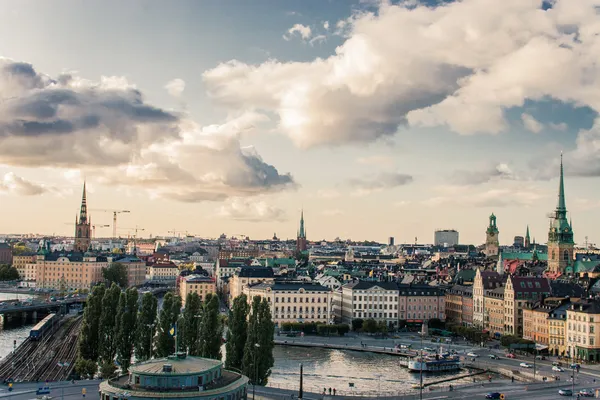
{"x": 437, "y": 364}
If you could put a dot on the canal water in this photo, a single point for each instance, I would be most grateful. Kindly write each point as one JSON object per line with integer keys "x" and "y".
{"x": 13, "y": 331}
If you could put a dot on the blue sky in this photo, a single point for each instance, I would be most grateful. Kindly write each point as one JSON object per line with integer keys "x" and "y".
{"x": 378, "y": 119}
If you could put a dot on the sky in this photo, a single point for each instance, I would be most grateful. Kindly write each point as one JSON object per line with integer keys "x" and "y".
{"x": 376, "y": 118}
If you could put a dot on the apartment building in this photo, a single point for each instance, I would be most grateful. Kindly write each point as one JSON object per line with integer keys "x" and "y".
{"x": 518, "y": 292}
{"x": 136, "y": 270}
{"x": 583, "y": 330}
{"x": 199, "y": 284}
{"x": 459, "y": 305}
{"x": 494, "y": 311}
{"x": 25, "y": 265}
{"x": 294, "y": 301}
{"x": 248, "y": 275}
{"x": 421, "y": 302}
{"x": 378, "y": 300}
{"x": 69, "y": 271}
{"x": 484, "y": 280}
{"x": 163, "y": 272}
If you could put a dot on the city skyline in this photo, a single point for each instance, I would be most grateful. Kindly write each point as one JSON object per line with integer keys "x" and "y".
{"x": 234, "y": 118}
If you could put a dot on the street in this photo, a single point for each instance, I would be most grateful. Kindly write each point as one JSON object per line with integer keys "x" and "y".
{"x": 58, "y": 390}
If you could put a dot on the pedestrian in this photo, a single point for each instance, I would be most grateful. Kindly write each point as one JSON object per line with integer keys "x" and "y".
{"x": 330, "y": 391}
{"x": 334, "y": 391}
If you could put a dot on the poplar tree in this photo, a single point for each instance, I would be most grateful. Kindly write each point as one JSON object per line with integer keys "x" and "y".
{"x": 237, "y": 332}
{"x": 191, "y": 323}
{"x": 89, "y": 341}
{"x": 108, "y": 320}
{"x": 258, "y": 350}
{"x": 146, "y": 327}
{"x": 165, "y": 342}
{"x": 126, "y": 327}
{"x": 211, "y": 329}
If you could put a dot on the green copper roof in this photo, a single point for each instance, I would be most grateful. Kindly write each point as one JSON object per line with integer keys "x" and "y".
{"x": 525, "y": 256}
{"x": 561, "y": 189}
{"x": 301, "y": 231}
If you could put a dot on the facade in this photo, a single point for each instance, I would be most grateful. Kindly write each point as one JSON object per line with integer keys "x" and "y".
{"x": 25, "y": 265}
{"x": 69, "y": 271}
{"x": 494, "y": 311}
{"x": 583, "y": 330}
{"x": 246, "y": 276}
{"x": 536, "y": 323}
{"x": 179, "y": 376}
{"x": 421, "y": 302}
{"x": 445, "y": 237}
{"x": 518, "y": 292}
{"x": 560, "y": 235}
{"x": 377, "y": 300}
{"x": 484, "y": 280}
{"x": 492, "y": 243}
{"x": 201, "y": 285}
{"x": 6, "y": 256}
{"x": 459, "y": 305}
{"x": 226, "y": 268}
{"x": 301, "y": 244}
{"x": 557, "y": 330}
{"x": 83, "y": 230}
{"x": 227, "y": 254}
{"x": 294, "y": 301}
{"x": 136, "y": 270}
{"x": 165, "y": 272}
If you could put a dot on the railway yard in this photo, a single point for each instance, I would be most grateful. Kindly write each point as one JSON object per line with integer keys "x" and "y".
{"x": 49, "y": 358}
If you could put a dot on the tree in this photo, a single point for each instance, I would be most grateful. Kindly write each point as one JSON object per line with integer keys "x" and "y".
{"x": 258, "y": 351}
{"x": 108, "y": 324}
{"x": 357, "y": 324}
{"x": 370, "y": 325}
{"x": 382, "y": 327}
{"x": 165, "y": 341}
{"x": 115, "y": 273}
{"x": 211, "y": 330}
{"x": 191, "y": 323}
{"x": 89, "y": 339}
{"x": 436, "y": 323}
{"x": 237, "y": 332}
{"x": 85, "y": 368}
{"x": 128, "y": 306}
{"x": 146, "y": 327}
{"x": 8, "y": 273}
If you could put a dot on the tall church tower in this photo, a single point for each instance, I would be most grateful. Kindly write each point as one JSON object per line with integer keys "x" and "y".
{"x": 492, "y": 243}
{"x": 83, "y": 226}
{"x": 527, "y": 243}
{"x": 301, "y": 240}
{"x": 560, "y": 234}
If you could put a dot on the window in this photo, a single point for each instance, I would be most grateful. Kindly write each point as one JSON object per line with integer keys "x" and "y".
{"x": 566, "y": 255}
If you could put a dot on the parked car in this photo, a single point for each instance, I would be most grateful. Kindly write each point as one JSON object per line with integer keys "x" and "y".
{"x": 586, "y": 393}
{"x": 471, "y": 354}
{"x": 540, "y": 357}
{"x": 565, "y": 392}
{"x": 493, "y": 356}
{"x": 511, "y": 355}
{"x": 405, "y": 346}
{"x": 428, "y": 349}
{"x": 493, "y": 395}
{"x": 575, "y": 366}
{"x": 558, "y": 369}
{"x": 557, "y": 363}
{"x": 525, "y": 365}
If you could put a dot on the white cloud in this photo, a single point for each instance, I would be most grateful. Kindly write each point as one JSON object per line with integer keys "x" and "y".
{"x": 376, "y": 160}
{"x": 461, "y": 65}
{"x": 175, "y": 87}
{"x": 304, "y": 31}
{"x": 326, "y": 25}
{"x": 250, "y": 210}
{"x": 328, "y": 193}
{"x": 109, "y": 132}
{"x": 531, "y": 124}
{"x": 483, "y": 175}
{"x": 376, "y": 183}
{"x": 317, "y": 39}
{"x": 14, "y": 184}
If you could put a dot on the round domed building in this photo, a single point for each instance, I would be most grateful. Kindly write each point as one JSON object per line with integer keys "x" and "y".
{"x": 180, "y": 377}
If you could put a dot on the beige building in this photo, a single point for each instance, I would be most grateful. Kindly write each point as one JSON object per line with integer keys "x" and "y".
{"x": 520, "y": 290}
{"x": 583, "y": 330}
{"x": 201, "y": 285}
{"x": 69, "y": 271}
{"x": 494, "y": 311}
{"x": 377, "y": 300}
{"x": 484, "y": 280}
{"x": 136, "y": 270}
{"x": 294, "y": 301}
{"x": 163, "y": 271}
{"x": 25, "y": 265}
{"x": 248, "y": 275}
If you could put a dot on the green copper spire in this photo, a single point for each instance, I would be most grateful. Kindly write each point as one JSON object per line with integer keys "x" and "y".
{"x": 527, "y": 234}
{"x": 561, "y": 189}
{"x": 301, "y": 232}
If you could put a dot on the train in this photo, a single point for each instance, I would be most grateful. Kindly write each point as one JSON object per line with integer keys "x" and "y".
{"x": 42, "y": 327}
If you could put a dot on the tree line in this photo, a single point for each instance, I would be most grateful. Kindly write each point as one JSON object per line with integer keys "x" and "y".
{"x": 118, "y": 326}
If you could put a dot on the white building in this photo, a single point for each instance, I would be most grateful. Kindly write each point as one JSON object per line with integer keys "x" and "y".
{"x": 445, "y": 237}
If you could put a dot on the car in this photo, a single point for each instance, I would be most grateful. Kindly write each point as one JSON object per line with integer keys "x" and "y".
{"x": 428, "y": 349}
{"x": 557, "y": 363}
{"x": 493, "y": 357}
{"x": 575, "y": 366}
{"x": 471, "y": 354}
{"x": 586, "y": 393}
{"x": 557, "y": 369}
{"x": 511, "y": 355}
{"x": 565, "y": 392}
{"x": 493, "y": 395}
{"x": 405, "y": 346}
{"x": 525, "y": 365}
{"x": 540, "y": 357}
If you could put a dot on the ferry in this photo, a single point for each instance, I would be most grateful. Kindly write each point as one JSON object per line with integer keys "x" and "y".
{"x": 433, "y": 364}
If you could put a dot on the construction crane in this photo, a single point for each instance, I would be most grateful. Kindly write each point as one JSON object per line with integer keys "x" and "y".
{"x": 93, "y": 228}
{"x": 177, "y": 233}
{"x": 115, "y": 212}
{"x": 136, "y": 229}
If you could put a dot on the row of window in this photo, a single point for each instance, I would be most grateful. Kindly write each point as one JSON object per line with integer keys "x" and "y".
{"x": 289, "y": 300}
{"x": 307, "y": 316}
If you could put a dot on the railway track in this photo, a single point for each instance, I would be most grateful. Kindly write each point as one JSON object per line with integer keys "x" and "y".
{"x": 41, "y": 360}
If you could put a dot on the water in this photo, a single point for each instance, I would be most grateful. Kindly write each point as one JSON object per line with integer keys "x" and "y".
{"x": 14, "y": 331}
{"x": 370, "y": 373}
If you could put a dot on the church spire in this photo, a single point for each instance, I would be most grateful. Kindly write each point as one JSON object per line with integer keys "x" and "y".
{"x": 527, "y": 233}
{"x": 561, "y": 206}
{"x": 301, "y": 232}
{"x": 83, "y": 219}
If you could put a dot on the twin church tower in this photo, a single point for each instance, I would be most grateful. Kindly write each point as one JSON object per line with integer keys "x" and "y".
{"x": 560, "y": 235}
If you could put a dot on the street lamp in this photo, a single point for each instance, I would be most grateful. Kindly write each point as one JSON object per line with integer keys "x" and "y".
{"x": 255, "y": 371}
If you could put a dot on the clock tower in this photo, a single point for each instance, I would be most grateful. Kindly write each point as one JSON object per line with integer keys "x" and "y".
{"x": 492, "y": 243}
{"x": 560, "y": 234}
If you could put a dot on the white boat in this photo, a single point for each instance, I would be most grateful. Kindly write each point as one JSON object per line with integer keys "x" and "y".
{"x": 434, "y": 365}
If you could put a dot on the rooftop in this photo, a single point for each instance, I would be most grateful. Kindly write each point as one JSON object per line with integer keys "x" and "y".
{"x": 179, "y": 365}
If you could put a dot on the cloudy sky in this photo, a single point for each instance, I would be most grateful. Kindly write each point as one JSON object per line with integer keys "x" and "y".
{"x": 379, "y": 119}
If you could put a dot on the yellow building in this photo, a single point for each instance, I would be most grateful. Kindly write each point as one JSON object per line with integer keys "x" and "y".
{"x": 25, "y": 265}
{"x": 69, "y": 271}
{"x": 248, "y": 275}
{"x": 583, "y": 330}
{"x": 519, "y": 291}
{"x": 201, "y": 285}
{"x": 294, "y": 301}
{"x": 494, "y": 311}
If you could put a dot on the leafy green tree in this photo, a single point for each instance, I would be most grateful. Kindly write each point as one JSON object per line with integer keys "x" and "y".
{"x": 237, "y": 332}
{"x": 85, "y": 368}
{"x": 115, "y": 273}
{"x": 357, "y": 324}
{"x": 369, "y": 326}
{"x": 211, "y": 329}
{"x": 258, "y": 351}
{"x": 191, "y": 322}
{"x": 382, "y": 327}
{"x": 146, "y": 327}
{"x": 8, "y": 273}
{"x": 436, "y": 323}
{"x": 108, "y": 324}
{"x": 165, "y": 342}
{"x": 89, "y": 338}
{"x": 107, "y": 370}
{"x": 126, "y": 324}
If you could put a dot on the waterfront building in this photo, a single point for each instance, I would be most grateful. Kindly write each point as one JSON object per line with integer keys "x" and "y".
{"x": 163, "y": 272}
{"x": 179, "y": 376}
{"x": 301, "y": 244}
{"x": 494, "y": 311}
{"x": 69, "y": 271}
{"x": 583, "y": 330}
{"x": 492, "y": 243}
{"x": 536, "y": 322}
{"x": 294, "y": 301}
{"x": 560, "y": 235}
{"x": 367, "y": 299}
{"x": 518, "y": 291}
{"x": 83, "y": 227}
{"x": 484, "y": 280}
{"x": 199, "y": 284}
{"x": 248, "y": 275}
{"x": 25, "y": 265}
{"x": 421, "y": 302}
{"x": 557, "y": 328}
{"x": 445, "y": 238}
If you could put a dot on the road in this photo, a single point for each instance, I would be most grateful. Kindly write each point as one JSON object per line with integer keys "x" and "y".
{"x": 68, "y": 390}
